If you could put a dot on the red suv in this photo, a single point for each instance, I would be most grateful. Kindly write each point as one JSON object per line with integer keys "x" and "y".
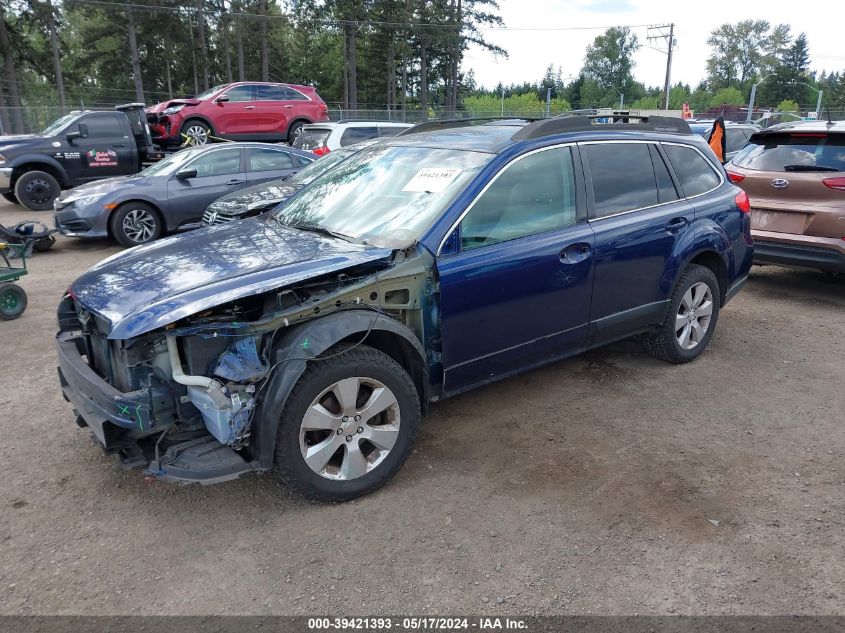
{"x": 245, "y": 111}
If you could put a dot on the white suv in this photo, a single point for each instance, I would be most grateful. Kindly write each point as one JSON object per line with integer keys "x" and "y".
{"x": 321, "y": 138}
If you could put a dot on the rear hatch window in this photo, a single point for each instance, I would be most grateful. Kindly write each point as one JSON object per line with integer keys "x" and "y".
{"x": 794, "y": 152}
{"x": 312, "y": 138}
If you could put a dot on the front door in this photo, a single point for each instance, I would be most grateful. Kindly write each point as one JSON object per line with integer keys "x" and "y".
{"x": 516, "y": 276}
{"x": 640, "y": 221}
{"x": 235, "y": 116}
{"x": 219, "y": 171}
{"x": 107, "y": 151}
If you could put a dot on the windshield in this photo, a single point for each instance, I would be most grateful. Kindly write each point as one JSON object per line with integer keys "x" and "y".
{"x": 798, "y": 151}
{"x": 170, "y": 164}
{"x": 56, "y": 126}
{"x": 384, "y": 195}
{"x": 210, "y": 91}
{"x": 321, "y": 166}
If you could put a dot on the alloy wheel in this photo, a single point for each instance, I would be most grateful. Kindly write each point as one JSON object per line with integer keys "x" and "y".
{"x": 197, "y": 135}
{"x": 350, "y": 428}
{"x": 139, "y": 225}
{"x": 694, "y": 315}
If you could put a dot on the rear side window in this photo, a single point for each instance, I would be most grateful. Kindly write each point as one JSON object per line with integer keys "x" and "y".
{"x": 269, "y": 160}
{"x": 270, "y": 93}
{"x": 736, "y": 139}
{"x": 623, "y": 177}
{"x": 695, "y": 172}
{"x": 312, "y": 138}
{"x": 794, "y": 152}
{"x": 292, "y": 95}
{"x": 389, "y": 130}
{"x": 357, "y": 134}
{"x": 532, "y": 195}
{"x": 103, "y": 127}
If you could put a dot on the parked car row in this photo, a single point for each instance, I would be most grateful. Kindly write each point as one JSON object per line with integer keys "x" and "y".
{"x": 312, "y": 339}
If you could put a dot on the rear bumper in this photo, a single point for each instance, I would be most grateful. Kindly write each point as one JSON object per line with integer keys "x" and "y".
{"x": 797, "y": 250}
{"x": 114, "y": 417}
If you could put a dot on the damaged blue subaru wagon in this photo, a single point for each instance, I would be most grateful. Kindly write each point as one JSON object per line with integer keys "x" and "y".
{"x": 310, "y": 341}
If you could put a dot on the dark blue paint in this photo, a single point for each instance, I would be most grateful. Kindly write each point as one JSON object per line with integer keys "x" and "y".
{"x": 151, "y": 286}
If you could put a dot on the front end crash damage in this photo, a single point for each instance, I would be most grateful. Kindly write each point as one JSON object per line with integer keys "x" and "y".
{"x": 199, "y": 400}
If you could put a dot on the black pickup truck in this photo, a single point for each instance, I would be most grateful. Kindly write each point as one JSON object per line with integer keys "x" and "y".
{"x": 77, "y": 148}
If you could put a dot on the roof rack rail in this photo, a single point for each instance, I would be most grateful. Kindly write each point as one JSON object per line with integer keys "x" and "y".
{"x": 619, "y": 121}
{"x": 440, "y": 124}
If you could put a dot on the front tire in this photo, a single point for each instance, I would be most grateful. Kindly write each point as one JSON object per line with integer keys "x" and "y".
{"x": 135, "y": 223}
{"x": 692, "y": 316}
{"x": 197, "y": 132}
{"x": 36, "y": 190}
{"x": 348, "y": 426}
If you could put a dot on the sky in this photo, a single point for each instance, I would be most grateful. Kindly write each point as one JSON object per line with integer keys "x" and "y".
{"x": 535, "y": 37}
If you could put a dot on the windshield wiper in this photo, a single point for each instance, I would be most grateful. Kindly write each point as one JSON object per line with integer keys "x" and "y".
{"x": 313, "y": 228}
{"x": 809, "y": 168}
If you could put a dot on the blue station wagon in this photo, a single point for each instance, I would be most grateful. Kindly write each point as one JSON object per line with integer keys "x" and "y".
{"x": 311, "y": 341}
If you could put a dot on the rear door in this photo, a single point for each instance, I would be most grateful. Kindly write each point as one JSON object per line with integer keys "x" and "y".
{"x": 219, "y": 171}
{"x": 268, "y": 163}
{"x": 107, "y": 151}
{"x": 272, "y": 109}
{"x": 516, "y": 274}
{"x": 785, "y": 176}
{"x": 237, "y": 116}
{"x": 639, "y": 219}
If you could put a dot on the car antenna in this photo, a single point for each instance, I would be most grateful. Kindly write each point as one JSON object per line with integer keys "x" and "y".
{"x": 829, "y": 122}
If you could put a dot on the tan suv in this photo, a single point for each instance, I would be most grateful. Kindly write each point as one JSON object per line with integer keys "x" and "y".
{"x": 794, "y": 174}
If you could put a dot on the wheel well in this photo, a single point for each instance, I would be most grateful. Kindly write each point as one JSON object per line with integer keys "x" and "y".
{"x": 155, "y": 209}
{"x": 302, "y": 120}
{"x": 18, "y": 171}
{"x": 202, "y": 120}
{"x": 399, "y": 350}
{"x": 712, "y": 260}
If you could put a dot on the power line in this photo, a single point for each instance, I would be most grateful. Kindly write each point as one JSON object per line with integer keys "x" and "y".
{"x": 338, "y": 22}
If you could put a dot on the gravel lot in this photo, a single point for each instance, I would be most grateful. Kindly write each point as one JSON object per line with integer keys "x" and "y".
{"x": 607, "y": 484}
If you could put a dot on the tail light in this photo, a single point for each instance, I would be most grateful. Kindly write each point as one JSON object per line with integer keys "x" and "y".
{"x": 742, "y": 202}
{"x": 324, "y": 107}
{"x": 835, "y": 183}
{"x": 321, "y": 151}
{"x": 735, "y": 177}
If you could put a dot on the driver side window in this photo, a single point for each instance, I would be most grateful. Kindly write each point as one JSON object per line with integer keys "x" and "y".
{"x": 220, "y": 162}
{"x": 532, "y": 195}
{"x": 239, "y": 93}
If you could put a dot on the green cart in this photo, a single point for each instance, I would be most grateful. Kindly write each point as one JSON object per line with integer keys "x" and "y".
{"x": 12, "y": 268}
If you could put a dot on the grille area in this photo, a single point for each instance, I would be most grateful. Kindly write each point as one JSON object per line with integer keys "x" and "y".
{"x": 211, "y": 217}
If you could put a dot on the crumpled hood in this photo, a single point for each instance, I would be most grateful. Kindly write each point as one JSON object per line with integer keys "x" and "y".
{"x": 148, "y": 287}
{"x": 158, "y": 107}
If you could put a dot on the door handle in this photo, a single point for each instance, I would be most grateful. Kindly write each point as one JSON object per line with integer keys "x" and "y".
{"x": 287, "y": 106}
{"x": 233, "y": 182}
{"x": 249, "y": 107}
{"x": 118, "y": 144}
{"x": 676, "y": 224}
{"x": 575, "y": 253}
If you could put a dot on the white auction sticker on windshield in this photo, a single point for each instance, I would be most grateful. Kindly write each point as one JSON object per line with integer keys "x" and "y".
{"x": 431, "y": 180}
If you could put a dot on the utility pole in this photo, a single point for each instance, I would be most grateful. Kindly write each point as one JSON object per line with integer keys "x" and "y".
{"x": 669, "y": 39}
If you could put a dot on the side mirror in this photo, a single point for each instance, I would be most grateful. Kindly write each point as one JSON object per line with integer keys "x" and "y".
{"x": 80, "y": 132}
{"x": 222, "y": 99}
{"x": 186, "y": 174}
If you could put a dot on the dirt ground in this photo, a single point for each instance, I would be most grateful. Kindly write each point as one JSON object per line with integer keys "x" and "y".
{"x": 610, "y": 483}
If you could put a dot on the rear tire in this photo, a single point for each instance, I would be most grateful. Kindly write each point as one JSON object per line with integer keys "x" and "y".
{"x": 36, "y": 190}
{"x": 691, "y": 318}
{"x": 12, "y": 301}
{"x": 135, "y": 223}
{"x": 361, "y": 454}
{"x": 294, "y": 131}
